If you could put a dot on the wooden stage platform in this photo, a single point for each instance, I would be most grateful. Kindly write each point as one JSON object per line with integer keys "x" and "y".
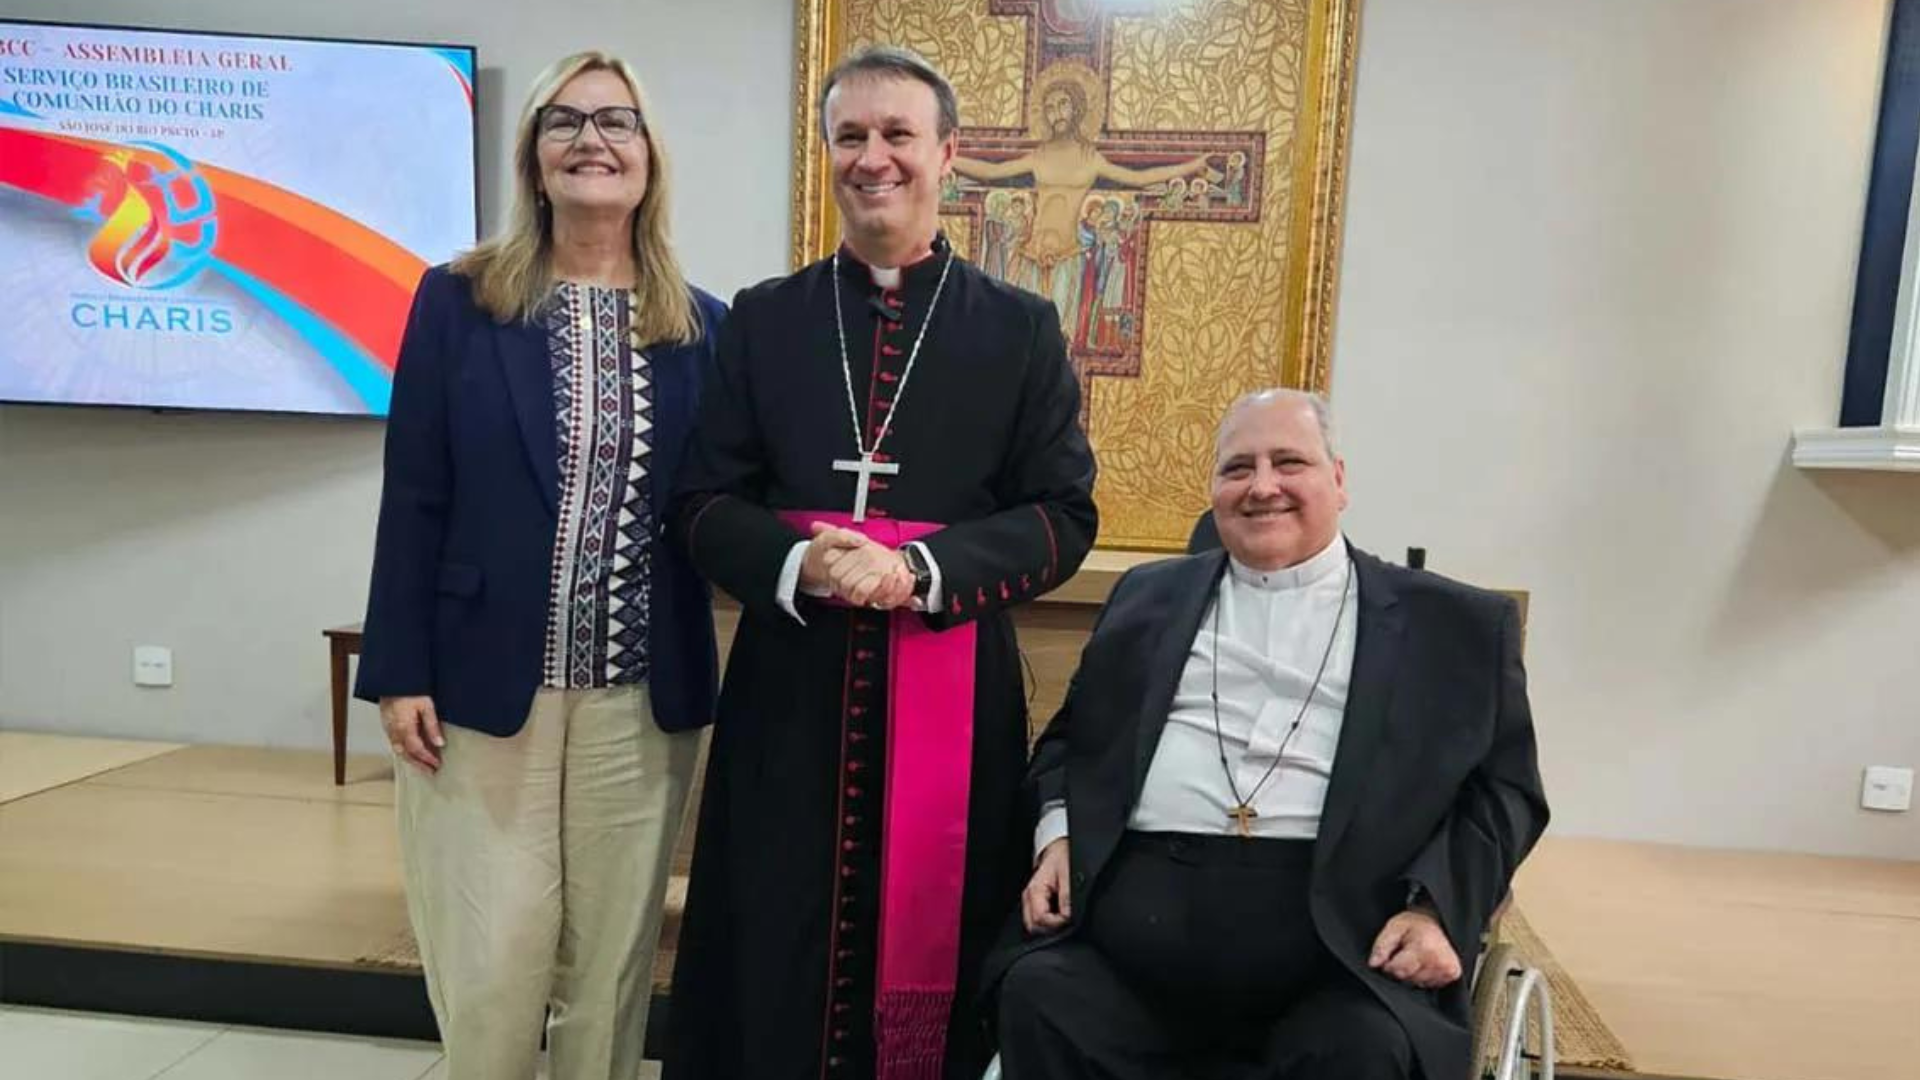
{"x": 241, "y": 885}
{"x": 209, "y": 883}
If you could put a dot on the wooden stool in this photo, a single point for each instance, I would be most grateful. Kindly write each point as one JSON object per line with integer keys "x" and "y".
{"x": 342, "y": 641}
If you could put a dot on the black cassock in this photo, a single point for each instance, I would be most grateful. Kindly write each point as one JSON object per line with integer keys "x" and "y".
{"x": 775, "y": 977}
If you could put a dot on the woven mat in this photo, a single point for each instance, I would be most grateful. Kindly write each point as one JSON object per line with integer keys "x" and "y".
{"x": 403, "y": 953}
{"x": 1581, "y": 1038}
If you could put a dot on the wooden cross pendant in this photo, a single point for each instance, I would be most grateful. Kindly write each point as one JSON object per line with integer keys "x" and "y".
{"x": 865, "y": 467}
{"x": 1243, "y": 815}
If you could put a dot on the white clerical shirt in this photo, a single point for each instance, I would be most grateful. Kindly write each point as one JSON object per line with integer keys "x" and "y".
{"x": 1274, "y": 627}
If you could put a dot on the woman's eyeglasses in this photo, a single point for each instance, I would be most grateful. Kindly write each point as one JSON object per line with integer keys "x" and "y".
{"x": 564, "y": 123}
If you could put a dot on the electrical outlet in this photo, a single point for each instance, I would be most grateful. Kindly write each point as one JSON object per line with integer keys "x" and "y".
{"x": 152, "y": 665}
{"x": 1887, "y": 788}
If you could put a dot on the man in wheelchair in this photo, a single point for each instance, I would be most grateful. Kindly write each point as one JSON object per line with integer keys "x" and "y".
{"x": 1288, "y": 788}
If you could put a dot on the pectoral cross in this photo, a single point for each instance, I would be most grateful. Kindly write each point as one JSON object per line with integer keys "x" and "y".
{"x": 1244, "y": 815}
{"x": 865, "y": 467}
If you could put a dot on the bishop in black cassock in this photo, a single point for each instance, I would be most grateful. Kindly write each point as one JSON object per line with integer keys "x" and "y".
{"x": 803, "y": 930}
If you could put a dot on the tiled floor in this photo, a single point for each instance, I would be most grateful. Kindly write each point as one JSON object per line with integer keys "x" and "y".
{"x": 47, "y": 1044}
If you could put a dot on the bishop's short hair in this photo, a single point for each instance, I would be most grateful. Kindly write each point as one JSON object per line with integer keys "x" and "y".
{"x": 897, "y": 62}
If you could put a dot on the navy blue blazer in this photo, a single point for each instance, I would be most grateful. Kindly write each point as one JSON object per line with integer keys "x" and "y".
{"x": 457, "y": 608}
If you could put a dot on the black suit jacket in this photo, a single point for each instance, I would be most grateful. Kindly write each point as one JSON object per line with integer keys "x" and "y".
{"x": 1434, "y": 780}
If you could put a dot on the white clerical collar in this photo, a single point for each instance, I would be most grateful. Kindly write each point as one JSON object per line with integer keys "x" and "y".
{"x": 887, "y": 277}
{"x": 1328, "y": 562}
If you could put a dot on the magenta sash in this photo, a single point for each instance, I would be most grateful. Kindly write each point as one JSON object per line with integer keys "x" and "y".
{"x": 923, "y": 848}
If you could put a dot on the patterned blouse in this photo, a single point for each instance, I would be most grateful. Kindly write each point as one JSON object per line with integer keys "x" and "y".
{"x": 603, "y": 550}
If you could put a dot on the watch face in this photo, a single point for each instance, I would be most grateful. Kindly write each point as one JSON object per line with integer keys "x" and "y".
{"x": 922, "y": 573}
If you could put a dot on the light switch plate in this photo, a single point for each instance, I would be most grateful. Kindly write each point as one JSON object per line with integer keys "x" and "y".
{"x": 1887, "y": 788}
{"x": 152, "y": 665}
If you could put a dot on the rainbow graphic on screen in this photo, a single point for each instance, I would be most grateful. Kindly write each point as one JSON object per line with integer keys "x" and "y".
{"x": 161, "y": 220}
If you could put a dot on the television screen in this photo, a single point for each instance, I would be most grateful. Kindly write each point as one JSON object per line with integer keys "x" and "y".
{"x": 208, "y": 221}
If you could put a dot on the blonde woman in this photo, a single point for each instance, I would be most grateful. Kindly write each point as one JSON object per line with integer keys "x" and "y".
{"x": 542, "y": 654}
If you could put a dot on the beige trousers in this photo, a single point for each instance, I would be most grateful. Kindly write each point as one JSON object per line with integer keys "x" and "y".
{"x": 536, "y": 866}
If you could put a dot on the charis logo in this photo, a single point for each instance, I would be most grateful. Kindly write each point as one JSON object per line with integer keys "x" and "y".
{"x": 157, "y": 221}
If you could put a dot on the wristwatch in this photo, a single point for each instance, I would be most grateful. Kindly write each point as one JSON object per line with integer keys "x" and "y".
{"x": 922, "y": 573}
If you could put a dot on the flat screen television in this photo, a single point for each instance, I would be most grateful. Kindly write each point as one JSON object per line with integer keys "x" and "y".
{"x": 217, "y": 221}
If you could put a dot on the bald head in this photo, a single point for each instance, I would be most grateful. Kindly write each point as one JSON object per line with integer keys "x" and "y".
{"x": 1279, "y": 397}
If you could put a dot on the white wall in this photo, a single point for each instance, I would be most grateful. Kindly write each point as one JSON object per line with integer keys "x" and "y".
{"x": 234, "y": 539}
{"x": 1598, "y": 265}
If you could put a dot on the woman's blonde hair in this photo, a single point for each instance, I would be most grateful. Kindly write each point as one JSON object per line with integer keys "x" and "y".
{"x": 512, "y": 273}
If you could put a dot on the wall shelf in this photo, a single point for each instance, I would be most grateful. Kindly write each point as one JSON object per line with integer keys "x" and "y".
{"x": 1883, "y": 449}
